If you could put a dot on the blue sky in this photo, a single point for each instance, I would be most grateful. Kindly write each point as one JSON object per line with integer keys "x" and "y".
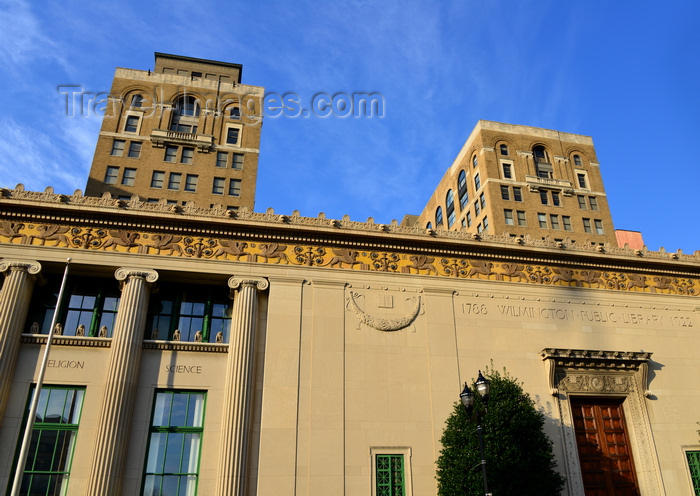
{"x": 625, "y": 73}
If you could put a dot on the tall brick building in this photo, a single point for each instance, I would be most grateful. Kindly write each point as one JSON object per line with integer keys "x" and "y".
{"x": 187, "y": 131}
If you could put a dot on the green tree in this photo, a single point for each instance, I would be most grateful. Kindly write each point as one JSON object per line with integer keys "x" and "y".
{"x": 519, "y": 457}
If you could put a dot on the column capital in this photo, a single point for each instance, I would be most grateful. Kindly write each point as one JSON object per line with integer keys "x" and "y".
{"x": 31, "y": 266}
{"x": 260, "y": 283}
{"x": 123, "y": 273}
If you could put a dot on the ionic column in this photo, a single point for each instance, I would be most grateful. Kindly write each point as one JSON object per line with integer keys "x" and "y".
{"x": 120, "y": 383}
{"x": 235, "y": 421}
{"x": 14, "y": 303}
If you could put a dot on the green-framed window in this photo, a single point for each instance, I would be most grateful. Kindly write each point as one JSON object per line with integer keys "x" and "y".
{"x": 172, "y": 457}
{"x": 88, "y": 301}
{"x": 190, "y": 309}
{"x": 50, "y": 455}
{"x": 390, "y": 475}
{"x": 694, "y": 466}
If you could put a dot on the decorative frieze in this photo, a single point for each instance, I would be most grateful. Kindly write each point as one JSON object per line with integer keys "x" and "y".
{"x": 309, "y": 255}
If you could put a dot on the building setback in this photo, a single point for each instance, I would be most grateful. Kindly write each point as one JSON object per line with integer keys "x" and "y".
{"x": 201, "y": 350}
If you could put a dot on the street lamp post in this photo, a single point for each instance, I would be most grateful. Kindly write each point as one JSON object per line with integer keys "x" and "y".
{"x": 467, "y": 399}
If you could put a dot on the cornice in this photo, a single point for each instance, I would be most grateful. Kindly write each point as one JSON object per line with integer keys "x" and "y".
{"x": 48, "y": 220}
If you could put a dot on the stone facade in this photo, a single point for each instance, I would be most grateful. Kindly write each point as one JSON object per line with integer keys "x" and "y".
{"x": 346, "y": 340}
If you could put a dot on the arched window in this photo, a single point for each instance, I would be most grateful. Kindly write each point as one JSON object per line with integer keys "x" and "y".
{"x": 136, "y": 101}
{"x": 462, "y": 190}
{"x": 235, "y": 113}
{"x": 429, "y": 226}
{"x": 185, "y": 113}
{"x": 543, "y": 167}
{"x": 504, "y": 149}
{"x": 450, "y": 206}
{"x": 187, "y": 106}
{"x": 438, "y": 217}
{"x": 540, "y": 154}
{"x": 475, "y": 161}
{"x": 577, "y": 161}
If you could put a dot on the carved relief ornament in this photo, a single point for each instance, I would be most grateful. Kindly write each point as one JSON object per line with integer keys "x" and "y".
{"x": 595, "y": 371}
{"x": 382, "y": 324}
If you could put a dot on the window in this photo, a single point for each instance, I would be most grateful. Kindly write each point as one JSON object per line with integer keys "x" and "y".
{"x": 479, "y": 228}
{"x": 598, "y": 226}
{"x": 221, "y": 159}
{"x": 581, "y": 202}
{"x": 554, "y": 221}
{"x": 191, "y": 182}
{"x": 134, "y": 149}
{"x": 540, "y": 154}
{"x": 482, "y": 200}
{"x": 475, "y": 161}
{"x": 543, "y": 168}
{"x": 136, "y": 101}
{"x": 234, "y": 187}
{"x": 477, "y": 208}
{"x": 117, "y": 148}
{"x": 157, "y": 179}
{"x": 90, "y": 302}
{"x": 581, "y": 178}
{"x": 237, "y": 162}
{"x": 172, "y": 458}
{"x": 187, "y": 106}
{"x": 593, "y": 202}
{"x": 517, "y": 194}
{"x": 486, "y": 223}
{"x": 522, "y": 220}
{"x": 508, "y": 214}
{"x": 462, "y": 190}
{"x": 543, "y": 197}
{"x": 232, "y": 135}
{"x": 235, "y": 113}
{"x": 187, "y": 155}
{"x": 507, "y": 171}
{"x": 693, "y": 458}
{"x": 477, "y": 182}
{"x": 429, "y": 225}
{"x": 566, "y": 221}
{"x": 190, "y": 308}
{"x": 505, "y": 193}
{"x": 47, "y": 470}
{"x": 170, "y": 153}
{"x": 577, "y": 161}
{"x": 128, "y": 177}
{"x": 111, "y": 174}
{"x": 389, "y": 472}
{"x": 185, "y": 115}
{"x": 469, "y": 218}
{"x": 587, "y": 225}
{"x": 174, "y": 182}
{"x": 132, "y": 124}
{"x": 218, "y": 186}
{"x": 504, "y": 149}
{"x": 438, "y": 217}
{"x": 555, "y": 199}
{"x": 542, "y": 219}
{"x": 450, "y": 206}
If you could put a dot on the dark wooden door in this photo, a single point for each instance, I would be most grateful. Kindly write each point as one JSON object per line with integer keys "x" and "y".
{"x": 603, "y": 447}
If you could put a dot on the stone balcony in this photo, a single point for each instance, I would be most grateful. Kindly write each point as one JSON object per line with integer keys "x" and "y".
{"x": 203, "y": 142}
{"x": 536, "y": 182}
